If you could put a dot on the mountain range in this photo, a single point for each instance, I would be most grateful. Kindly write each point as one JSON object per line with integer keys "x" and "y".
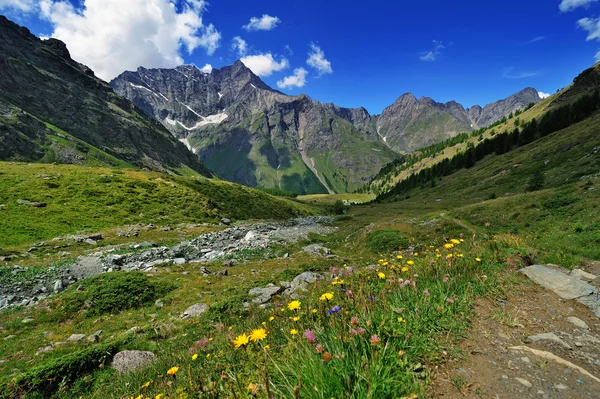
{"x": 249, "y": 133}
{"x": 53, "y": 109}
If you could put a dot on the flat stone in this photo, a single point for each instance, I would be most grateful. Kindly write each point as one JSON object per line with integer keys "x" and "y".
{"x": 127, "y": 361}
{"x": 583, "y": 275}
{"x": 567, "y": 287}
{"x": 27, "y": 320}
{"x": 548, "y": 337}
{"x": 561, "y": 387}
{"x": 178, "y": 261}
{"x": 76, "y": 338}
{"x": 264, "y": 295}
{"x": 524, "y": 382}
{"x": 577, "y": 322}
{"x": 194, "y": 311}
{"x": 592, "y": 302}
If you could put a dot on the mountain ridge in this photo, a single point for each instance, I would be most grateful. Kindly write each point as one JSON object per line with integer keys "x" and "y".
{"x": 54, "y": 109}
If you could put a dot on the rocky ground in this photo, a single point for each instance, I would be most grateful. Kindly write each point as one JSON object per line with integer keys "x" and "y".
{"x": 28, "y": 286}
{"x": 532, "y": 344}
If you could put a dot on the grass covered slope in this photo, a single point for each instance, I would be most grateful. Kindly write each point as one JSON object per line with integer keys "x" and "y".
{"x": 546, "y": 191}
{"x": 89, "y": 199}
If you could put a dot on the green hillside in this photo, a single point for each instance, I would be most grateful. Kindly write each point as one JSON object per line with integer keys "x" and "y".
{"x": 89, "y": 199}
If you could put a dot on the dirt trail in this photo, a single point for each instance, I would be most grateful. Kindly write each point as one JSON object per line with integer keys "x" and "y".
{"x": 491, "y": 369}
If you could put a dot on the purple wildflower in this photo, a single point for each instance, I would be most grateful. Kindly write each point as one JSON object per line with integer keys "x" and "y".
{"x": 333, "y": 310}
{"x": 426, "y": 292}
{"x": 310, "y": 336}
{"x": 353, "y": 331}
{"x": 350, "y": 294}
{"x": 360, "y": 330}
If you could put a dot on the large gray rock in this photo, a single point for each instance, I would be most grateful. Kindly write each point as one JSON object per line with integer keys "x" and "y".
{"x": 127, "y": 361}
{"x": 551, "y": 337}
{"x": 316, "y": 249}
{"x": 583, "y": 275}
{"x": 567, "y": 287}
{"x": 76, "y": 338}
{"x": 264, "y": 295}
{"x": 194, "y": 311}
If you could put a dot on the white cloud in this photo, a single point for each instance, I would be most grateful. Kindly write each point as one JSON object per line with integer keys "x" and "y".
{"x": 206, "y": 68}
{"x": 317, "y": 60}
{"x": 432, "y": 55}
{"x": 112, "y": 36}
{"x": 266, "y": 22}
{"x": 570, "y": 5}
{"x": 23, "y": 6}
{"x": 592, "y": 26}
{"x": 597, "y": 56}
{"x": 264, "y": 64}
{"x": 543, "y": 95}
{"x": 298, "y": 79}
{"x": 240, "y": 46}
{"x": 512, "y": 73}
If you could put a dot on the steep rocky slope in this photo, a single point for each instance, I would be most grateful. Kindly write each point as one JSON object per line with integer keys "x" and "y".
{"x": 53, "y": 109}
{"x": 410, "y": 124}
{"x": 251, "y": 134}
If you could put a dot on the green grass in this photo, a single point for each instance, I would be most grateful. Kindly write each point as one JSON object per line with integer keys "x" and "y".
{"x": 84, "y": 199}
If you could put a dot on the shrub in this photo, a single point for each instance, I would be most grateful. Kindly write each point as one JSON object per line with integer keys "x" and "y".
{"x": 536, "y": 181}
{"x": 386, "y": 240}
{"x": 338, "y": 208}
{"x": 115, "y": 292}
{"x": 47, "y": 378}
{"x": 109, "y": 293}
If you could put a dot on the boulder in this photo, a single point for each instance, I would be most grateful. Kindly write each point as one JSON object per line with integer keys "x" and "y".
{"x": 58, "y": 286}
{"x": 76, "y": 338}
{"x": 301, "y": 281}
{"x": 317, "y": 250}
{"x": 583, "y": 275}
{"x": 567, "y": 287}
{"x": 226, "y": 221}
{"x": 194, "y": 311}
{"x": 127, "y": 361}
{"x": 264, "y": 295}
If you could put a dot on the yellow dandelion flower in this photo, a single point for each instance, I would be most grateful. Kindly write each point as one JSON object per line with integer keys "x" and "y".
{"x": 404, "y": 269}
{"x": 450, "y": 255}
{"x": 328, "y": 296}
{"x": 448, "y": 246}
{"x": 462, "y": 240}
{"x": 314, "y": 310}
{"x": 381, "y": 275}
{"x": 207, "y": 355}
{"x": 438, "y": 255}
{"x": 258, "y": 335}
{"x": 241, "y": 340}
{"x": 159, "y": 396}
{"x": 146, "y": 384}
{"x": 267, "y": 346}
{"x": 194, "y": 356}
{"x": 173, "y": 370}
{"x": 271, "y": 318}
{"x": 455, "y": 241}
{"x": 416, "y": 254}
{"x": 295, "y": 318}
{"x": 139, "y": 397}
{"x": 294, "y": 305}
{"x": 410, "y": 263}
{"x": 293, "y": 331}
{"x": 252, "y": 387}
{"x": 399, "y": 256}
{"x": 401, "y": 320}
{"x": 478, "y": 259}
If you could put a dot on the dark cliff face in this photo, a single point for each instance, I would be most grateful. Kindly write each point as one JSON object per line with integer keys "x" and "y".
{"x": 249, "y": 133}
{"x": 55, "y": 109}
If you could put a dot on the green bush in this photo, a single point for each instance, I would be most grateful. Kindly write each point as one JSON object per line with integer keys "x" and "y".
{"x": 386, "y": 240}
{"x": 109, "y": 293}
{"x": 46, "y": 379}
{"x": 115, "y": 292}
{"x": 559, "y": 200}
{"x": 338, "y": 208}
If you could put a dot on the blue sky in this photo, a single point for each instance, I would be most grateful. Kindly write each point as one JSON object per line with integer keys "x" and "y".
{"x": 364, "y": 54}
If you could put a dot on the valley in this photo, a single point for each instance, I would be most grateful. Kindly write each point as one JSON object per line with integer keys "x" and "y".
{"x": 188, "y": 232}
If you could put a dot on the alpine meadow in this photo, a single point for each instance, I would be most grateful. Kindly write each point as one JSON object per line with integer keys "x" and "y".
{"x": 204, "y": 199}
